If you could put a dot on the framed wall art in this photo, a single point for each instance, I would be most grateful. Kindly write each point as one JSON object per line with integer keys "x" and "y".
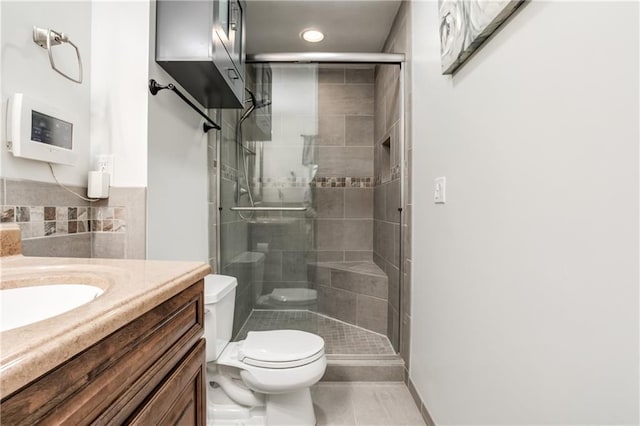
{"x": 466, "y": 24}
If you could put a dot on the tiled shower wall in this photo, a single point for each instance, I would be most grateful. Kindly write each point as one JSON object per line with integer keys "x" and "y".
{"x": 387, "y": 252}
{"x": 344, "y": 181}
{"x": 387, "y": 189}
{"x": 54, "y": 222}
{"x": 344, "y": 196}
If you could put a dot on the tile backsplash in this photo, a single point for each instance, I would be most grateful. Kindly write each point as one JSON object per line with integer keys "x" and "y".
{"x": 46, "y": 221}
{"x": 54, "y": 222}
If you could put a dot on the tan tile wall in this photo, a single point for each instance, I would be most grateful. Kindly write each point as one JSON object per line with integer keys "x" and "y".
{"x": 54, "y": 222}
{"x": 388, "y": 189}
{"x": 344, "y": 225}
{"x": 389, "y": 242}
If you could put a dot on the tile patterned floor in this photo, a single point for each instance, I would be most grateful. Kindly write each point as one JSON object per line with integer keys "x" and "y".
{"x": 364, "y": 404}
{"x": 340, "y": 338}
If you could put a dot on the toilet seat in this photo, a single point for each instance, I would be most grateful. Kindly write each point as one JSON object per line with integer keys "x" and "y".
{"x": 280, "y": 372}
{"x": 283, "y": 364}
{"x": 280, "y": 348}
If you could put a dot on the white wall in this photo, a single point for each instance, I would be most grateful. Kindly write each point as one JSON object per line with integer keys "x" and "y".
{"x": 157, "y": 141}
{"x": 119, "y": 98}
{"x": 25, "y": 69}
{"x": 177, "y": 179}
{"x": 525, "y": 295}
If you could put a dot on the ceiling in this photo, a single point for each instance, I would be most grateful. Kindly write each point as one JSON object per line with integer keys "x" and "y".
{"x": 348, "y": 25}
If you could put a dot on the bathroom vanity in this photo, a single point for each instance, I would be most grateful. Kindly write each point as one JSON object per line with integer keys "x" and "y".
{"x": 135, "y": 354}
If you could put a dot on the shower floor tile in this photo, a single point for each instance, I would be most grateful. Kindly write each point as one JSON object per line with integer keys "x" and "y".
{"x": 339, "y": 338}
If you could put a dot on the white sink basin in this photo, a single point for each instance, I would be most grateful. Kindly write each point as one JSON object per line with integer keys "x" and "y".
{"x": 25, "y": 305}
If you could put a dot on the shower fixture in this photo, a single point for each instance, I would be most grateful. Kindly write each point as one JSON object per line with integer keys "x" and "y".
{"x": 242, "y": 155}
{"x": 255, "y": 104}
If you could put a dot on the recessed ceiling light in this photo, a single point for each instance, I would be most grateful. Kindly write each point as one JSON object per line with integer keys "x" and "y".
{"x": 312, "y": 36}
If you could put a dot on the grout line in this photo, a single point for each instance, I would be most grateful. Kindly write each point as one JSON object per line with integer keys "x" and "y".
{"x": 348, "y": 324}
{"x": 353, "y": 408}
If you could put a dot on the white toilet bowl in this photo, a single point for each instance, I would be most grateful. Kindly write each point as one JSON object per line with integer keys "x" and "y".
{"x": 289, "y": 298}
{"x": 262, "y": 380}
{"x": 249, "y": 266}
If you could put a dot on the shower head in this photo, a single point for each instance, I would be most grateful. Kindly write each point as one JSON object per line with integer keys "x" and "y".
{"x": 263, "y": 103}
{"x": 246, "y": 114}
{"x": 256, "y": 103}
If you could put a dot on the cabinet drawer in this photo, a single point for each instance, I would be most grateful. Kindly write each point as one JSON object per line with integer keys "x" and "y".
{"x": 229, "y": 71}
{"x": 180, "y": 400}
{"x": 108, "y": 381}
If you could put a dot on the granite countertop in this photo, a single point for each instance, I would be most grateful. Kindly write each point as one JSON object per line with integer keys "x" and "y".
{"x": 131, "y": 288}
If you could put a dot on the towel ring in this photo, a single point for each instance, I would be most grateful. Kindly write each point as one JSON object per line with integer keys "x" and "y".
{"x": 46, "y": 38}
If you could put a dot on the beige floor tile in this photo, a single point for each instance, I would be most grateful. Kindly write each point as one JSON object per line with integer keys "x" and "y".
{"x": 332, "y": 404}
{"x": 398, "y": 403}
{"x": 364, "y": 404}
{"x": 368, "y": 406}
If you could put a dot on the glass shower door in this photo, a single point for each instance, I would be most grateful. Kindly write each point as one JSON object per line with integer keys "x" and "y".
{"x": 267, "y": 169}
{"x": 310, "y": 205}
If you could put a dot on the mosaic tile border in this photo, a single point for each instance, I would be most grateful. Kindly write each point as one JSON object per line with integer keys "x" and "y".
{"x": 395, "y": 174}
{"x": 317, "y": 182}
{"x": 283, "y": 182}
{"x": 46, "y": 221}
{"x": 343, "y": 182}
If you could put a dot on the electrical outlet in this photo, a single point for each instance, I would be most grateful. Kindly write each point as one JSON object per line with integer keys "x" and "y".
{"x": 105, "y": 164}
{"x": 440, "y": 190}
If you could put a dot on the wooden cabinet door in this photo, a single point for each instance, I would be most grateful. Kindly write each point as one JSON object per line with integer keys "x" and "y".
{"x": 106, "y": 383}
{"x": 181, "y": 399}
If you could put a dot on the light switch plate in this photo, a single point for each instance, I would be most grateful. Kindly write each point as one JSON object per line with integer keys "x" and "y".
{"x": 440, "y": 190}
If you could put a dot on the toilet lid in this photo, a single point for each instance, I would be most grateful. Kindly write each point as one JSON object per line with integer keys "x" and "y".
{"x": 281, "y": 348}
{"x": 293, "y": 295}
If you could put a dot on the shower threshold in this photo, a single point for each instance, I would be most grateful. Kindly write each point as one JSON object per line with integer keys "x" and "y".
{"x": 341, "y": 339}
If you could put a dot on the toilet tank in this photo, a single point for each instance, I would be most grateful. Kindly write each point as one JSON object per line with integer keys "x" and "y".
{"x": 249, "y": 268}
{"x": 219, "y": 302}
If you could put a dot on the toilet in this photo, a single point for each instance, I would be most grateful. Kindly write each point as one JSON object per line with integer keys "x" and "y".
{"x": 262, "y": 380}
{"x": 249, "y": 266}
{"x": 289, "y": 298}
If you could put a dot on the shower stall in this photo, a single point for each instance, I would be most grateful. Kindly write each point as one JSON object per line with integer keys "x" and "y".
{"x": 309, "y": 194}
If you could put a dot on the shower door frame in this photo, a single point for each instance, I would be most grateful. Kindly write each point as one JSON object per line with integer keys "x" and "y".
{"x": 343, "y": 58}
